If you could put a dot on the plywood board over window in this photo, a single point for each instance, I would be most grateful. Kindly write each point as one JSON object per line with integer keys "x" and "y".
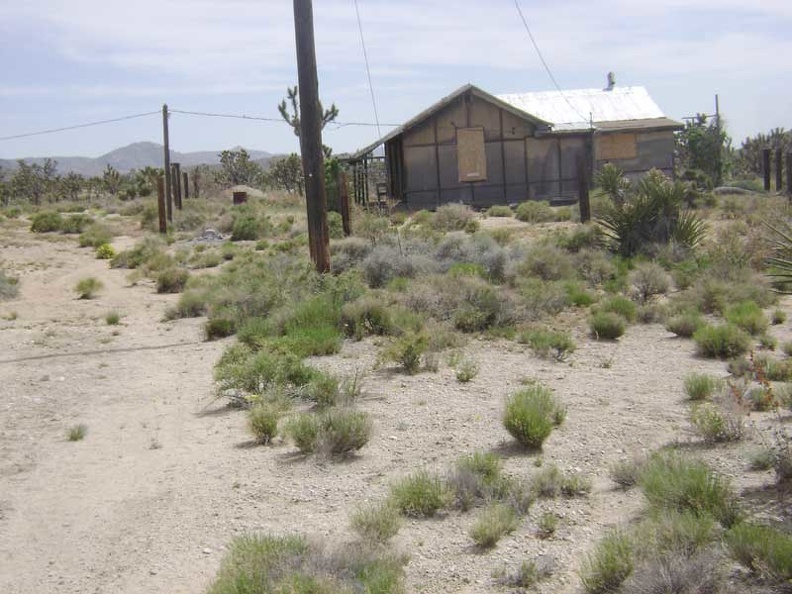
{"x": 471, "y": 155}
{"x": 616, "y": 146}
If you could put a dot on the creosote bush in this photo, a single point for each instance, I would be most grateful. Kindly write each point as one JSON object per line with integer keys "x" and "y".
{"x": 685, "y": 324}
{"x": 549, "y": 343}
{"x": 723, "y": 341}
{"x": 46, "y": 221}
{"x": 172, "y": 280}
{"x": 534, "y": 211}
{"x": 263, "y": 420}
{"x": 88, "y": 287}
{"x": 747, "y": 316}
{"x": 420, "y": 495}
{"x": 607, "y": 325}
{"x": 531, "y": 414}
{"x": 334, "y": 432}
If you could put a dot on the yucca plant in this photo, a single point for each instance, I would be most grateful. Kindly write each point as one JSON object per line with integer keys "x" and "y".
{"x": 780, "y": 263}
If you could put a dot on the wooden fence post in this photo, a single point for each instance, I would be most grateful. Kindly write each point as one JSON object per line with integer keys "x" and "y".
{"x": 789, "y": 174}
{"x": 186, "y": 181}
{"x": 766, "y": 168}
{"x": 343, "y": 202}
{"x": 177, "y": 192}
{"x": 779, "y": 159}
{"x": 583, "y": 190}
{"x": 161, "y": 210}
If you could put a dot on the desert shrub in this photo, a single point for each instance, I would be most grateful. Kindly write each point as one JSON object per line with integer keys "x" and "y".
{"x": 113, "y": 318}
{"x": 88, "y": 287}
{"x": 773, "y": 369}
{"x": 548, "y": 262}
{"x": 550, "y": 482}
{"x": 761, "y": 549}
{"x": 595, "y": 267}
{"x": 46, "y": 221}
{"x": 96, "y": 235}
{"x": 747, "y": 316}
{"x": 452, "y": 217}
{"x": 263, "y": 421}
{"x": 685, "y": 324}
{"x": 145, "y": 251}
{"x": 497, "y": 521}
{"x": 476, "y": 478}
{"x": 670, "y": 481}
{"x": 723, "y": 341}
{"x": 767, "y": 342}
{"x": 105, "y": 252}
{"x": 620, "y": 305}
{"x": 323, "y": 388}
{"x": 531, "y": 414}
{"x": 75, "y": 223}
{"x": 9, "y": 286}
{"x": 540, "y": 298}
{"x": 343, "y": 431}
{"x": 549, "y": 343}
{"x": 291, "y": 564}
{"x": 577, "y": 295}
{"x": 500, "y": 210}
{"x": 534, "y": 211}
{"x": 528, "y": 574}
{"x": 376, "y": 522}
{"x": 386, "y": 262}
{"x": 715, "y": 424}
{"x": 304, "y": 431}
{"x": 761, "y": 459}
{"x": 649, "y": 279}
{"x": 466, "y": 370}
{"x": 419, "y": 495}
{"x": 626, "y": 473}
{"x": 205, "y": 259}
{"x": 77, "y": 432}
{"x": 219, "y": 327}
{"x": 678, "y": 573}
{"x": 172, "y": 280}
{"x": 546, "y": 525}
{"x": 700, "y": 386}
{"x": 607, "y": 325}
{"x": 407, "y": 351}
{"x": 251, "y": 372}
{"x": 608, "y": 565}
{"x": 368, "y": 315}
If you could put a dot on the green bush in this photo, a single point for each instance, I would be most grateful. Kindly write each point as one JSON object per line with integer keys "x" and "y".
{"x": 335, "y": 432}
{"x": 172, "y": 280}
{"x": 779, "y": 317}
{"x": 105, "y": 252}
{"x": 407, "y": 351}
{"x": 75, "y": 223}
{"x": 263, "y": 421}
{"x": 365, "y": 316}
{"x": 246, "y": 228}
{"x": 722, "y": 341}
{"x": 649, "y": 279}
{"x": 534, "y": 211}
{"x": 623, "y": 306}
{"x": 88, "y": 287}
{"x": 700, "y": 386}
{"x": 715, "y": 424}
{"x": 476, "y": 478}
{"x": 77, "y": 432}
{"x": 466, "y": 370}
{"x": 113, "y": 318}
{"x": 626, "y": 473}
{"x": 96, "y": 235}
{"x": 419, "y": 495}
{"x": 685, "y": 324}
{"x": 453, "y": 217}
{"x": 304, "y": 430}
{"x": 670, "y": 481}
{"x": 605, "y": 569}
{"x": 376, "y": 522}
{"x": 497, "y": 521}
{"x": 46, "y": 221}
{"x": 607, "y": 325}
{"x": 219, "y": 327}
{"x": 546, "y": 525}
{"x": 531, "y": 414}
{"x": 500, "y": 210}
{"x": 747, "y": 316}
{"x": 550, "y": 482}
{"x": 9, "y": 286}
{"x": 547, "y": 343}
{"x": 548, "y": 262}
{"x": 761, "y": 549}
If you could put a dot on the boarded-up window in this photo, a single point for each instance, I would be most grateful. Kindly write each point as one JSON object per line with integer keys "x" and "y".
{"x": 471, "y": 156}
{"x": 616, "y": 146}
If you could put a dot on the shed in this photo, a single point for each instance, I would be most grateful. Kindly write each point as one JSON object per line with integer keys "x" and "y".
{"x": 482, "y": 149}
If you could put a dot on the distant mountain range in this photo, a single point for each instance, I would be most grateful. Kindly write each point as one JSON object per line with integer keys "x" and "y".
{"x": 134, "y": 156}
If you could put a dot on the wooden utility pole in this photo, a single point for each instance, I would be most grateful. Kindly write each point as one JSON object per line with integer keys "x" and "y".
{"x": 311, "y": 136}
{"x": 166, "y": 164}
{"x": 163, "y": 223}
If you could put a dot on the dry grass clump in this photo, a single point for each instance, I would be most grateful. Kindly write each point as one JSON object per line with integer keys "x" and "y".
{"x": 626, "y": 473}
{"x": 761, "y": 549}
{"x": 531, "y": 414}
{"x": 88, "y": 287}
{"x": 550, "y": 482}
{"x": 9, "y": 286}
{"x": 685, "y": 324}
{"x": 420, "y": 495}
{"x": 649, "y": 279}
{"x": 334, "y": 432}
{"x": 723, "y": 341}
{"x": 608, "y": 565}
{"x": 607, "y": 325}
{"x": 700, "y": 386}
{"x": 376, "y": 522}
{"x": 495, "y": 522}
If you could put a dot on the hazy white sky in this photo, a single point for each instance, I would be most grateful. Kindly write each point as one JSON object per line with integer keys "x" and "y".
{"x": 72, "y": 62}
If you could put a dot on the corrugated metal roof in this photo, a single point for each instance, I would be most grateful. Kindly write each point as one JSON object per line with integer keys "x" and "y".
{"x": 576, "y": 109}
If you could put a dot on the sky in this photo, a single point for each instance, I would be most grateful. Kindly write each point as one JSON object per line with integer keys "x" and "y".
{"x": 81, "y": 61}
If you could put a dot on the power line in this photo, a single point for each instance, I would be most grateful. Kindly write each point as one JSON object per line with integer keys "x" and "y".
{"x": 544, "y": 63}
{"x": 368, "y": 70}
{"x": 77, "y": 126}
{"x": 266, "y": 119}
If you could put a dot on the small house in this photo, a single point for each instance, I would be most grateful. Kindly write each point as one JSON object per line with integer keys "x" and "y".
{"x": 481, "y": 149}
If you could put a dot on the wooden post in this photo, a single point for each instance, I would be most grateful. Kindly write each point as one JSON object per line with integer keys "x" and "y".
{"x": 166, "y": 164}
{"x": 196, "y": 182}
{"x": 343, "y": 202}
{"x": 766, "y": 168}
{"x": 779, "y": 159}
{"x": 583, "y": 190}
{"x": 163, "y": 223}
{"x": 311, "y": 136}
{"x": 177, "y": 195}
{"x": 186, "y": 184}
{"x": 789, "y": 174}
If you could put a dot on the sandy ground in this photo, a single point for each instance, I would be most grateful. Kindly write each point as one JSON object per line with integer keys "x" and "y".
{"x": 167, "y": 476}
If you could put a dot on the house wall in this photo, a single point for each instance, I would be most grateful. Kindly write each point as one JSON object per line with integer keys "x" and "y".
{"x": 519, "y": 167}
{"x": 635, "y": 153}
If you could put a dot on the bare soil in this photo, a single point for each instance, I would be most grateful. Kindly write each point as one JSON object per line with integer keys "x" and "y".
{"x": 167, "y": 475}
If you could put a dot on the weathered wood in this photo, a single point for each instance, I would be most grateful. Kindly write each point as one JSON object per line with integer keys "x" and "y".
{"x": 343, "y": 202}
{"x": 311, "y": 136}
{"x": 186, "y": 184}
{"x": 163, "y": 223}
{"x": 166, "y": 161}
{"x": 779, "y": 159}
{"x": 176, "y": 185}
{"x": 583, "y": 190}
{"x": 789, "y": 174}
{"x": 766, "y": 168}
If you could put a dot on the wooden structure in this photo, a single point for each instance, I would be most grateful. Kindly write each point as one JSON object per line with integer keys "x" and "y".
{"x": 480, "y": 149}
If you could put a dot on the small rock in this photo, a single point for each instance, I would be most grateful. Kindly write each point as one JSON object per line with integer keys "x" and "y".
{"x": 207, "y": 551}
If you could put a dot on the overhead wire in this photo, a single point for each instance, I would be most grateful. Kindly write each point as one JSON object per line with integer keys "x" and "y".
{"x": 268, "y": 119}
{"x": 77, "y": 126}
{"x": 544, "y": 62}
{"x": 368, "y": 69}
